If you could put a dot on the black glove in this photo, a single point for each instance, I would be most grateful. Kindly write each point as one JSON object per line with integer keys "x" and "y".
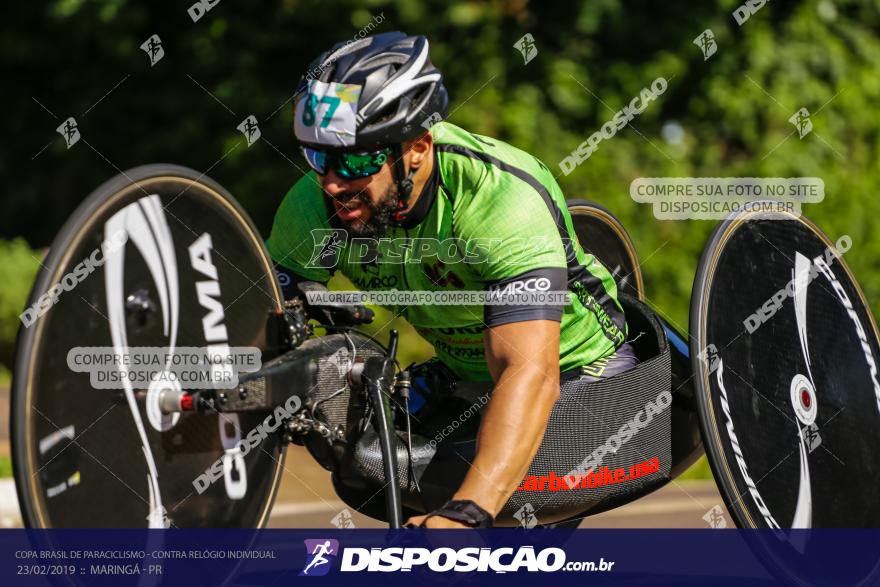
{"x": 292, "y": 285}
{"x": 334, "y": 314}
{"x": 465, "y": 511}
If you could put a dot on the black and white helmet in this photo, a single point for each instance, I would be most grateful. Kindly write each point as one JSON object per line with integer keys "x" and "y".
{"x": 373, "y": 92}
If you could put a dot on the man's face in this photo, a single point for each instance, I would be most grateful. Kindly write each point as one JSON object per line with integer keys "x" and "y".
{"x": 363, "y": 206}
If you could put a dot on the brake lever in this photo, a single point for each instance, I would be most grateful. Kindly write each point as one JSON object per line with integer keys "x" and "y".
{"x": 348, "y": 315}
{"x": 333, "y": 314}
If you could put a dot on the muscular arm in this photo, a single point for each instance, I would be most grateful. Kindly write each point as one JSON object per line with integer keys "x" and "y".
{"x": 523, "y": 358}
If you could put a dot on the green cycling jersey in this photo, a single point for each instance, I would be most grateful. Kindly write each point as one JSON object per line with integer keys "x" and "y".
{"x": 491, "y": 217}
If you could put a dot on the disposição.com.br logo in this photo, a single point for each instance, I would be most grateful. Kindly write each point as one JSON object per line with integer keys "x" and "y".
{"x": 321, "y": 552}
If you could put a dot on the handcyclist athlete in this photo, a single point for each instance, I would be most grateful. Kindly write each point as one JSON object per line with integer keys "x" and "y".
{"x": 368, "y": 117}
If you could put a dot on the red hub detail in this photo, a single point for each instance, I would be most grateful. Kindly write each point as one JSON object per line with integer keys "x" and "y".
{"x": 186, "y": 402}
{"x": 805, "y": 398}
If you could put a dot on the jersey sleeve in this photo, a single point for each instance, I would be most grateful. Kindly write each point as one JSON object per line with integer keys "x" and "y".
{"x": 301, "y": 231}
{"x": 527, "y": 297}
{"x": 512, "y": 240}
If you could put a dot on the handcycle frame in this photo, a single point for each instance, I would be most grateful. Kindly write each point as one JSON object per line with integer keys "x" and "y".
{"x": 376, "y": 377}
{"x": 293, "y": 356}
{"x": 283, "y": 338}
{"x": 263, "y": 390}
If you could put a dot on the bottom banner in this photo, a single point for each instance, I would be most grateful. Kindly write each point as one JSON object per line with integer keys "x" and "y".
{"x": 398, "y": 557}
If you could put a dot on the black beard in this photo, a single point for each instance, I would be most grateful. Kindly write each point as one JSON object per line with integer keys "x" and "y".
{"x": 381, "y": 215}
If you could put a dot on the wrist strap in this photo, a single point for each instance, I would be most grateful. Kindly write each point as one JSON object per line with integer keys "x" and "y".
{"x": 464, "y": 511}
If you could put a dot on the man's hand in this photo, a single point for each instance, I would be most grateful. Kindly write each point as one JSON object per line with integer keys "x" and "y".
{"x": 336, "y": 314}
{"x": 523, "y": 358}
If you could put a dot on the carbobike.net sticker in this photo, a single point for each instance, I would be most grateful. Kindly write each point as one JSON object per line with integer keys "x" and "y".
{"x": 327, "y": 114}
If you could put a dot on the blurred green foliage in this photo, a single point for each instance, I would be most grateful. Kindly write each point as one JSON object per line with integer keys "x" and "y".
{"x": 725, "y": 116}
{"x": 5, "y": 466}
{"x": 18, "y": 269}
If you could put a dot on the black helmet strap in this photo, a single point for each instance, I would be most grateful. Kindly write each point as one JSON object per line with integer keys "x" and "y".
{"x": 404, "y": 182}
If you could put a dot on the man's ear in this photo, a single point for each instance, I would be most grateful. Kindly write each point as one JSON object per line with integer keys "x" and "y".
{"x": 418, "y": 149}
